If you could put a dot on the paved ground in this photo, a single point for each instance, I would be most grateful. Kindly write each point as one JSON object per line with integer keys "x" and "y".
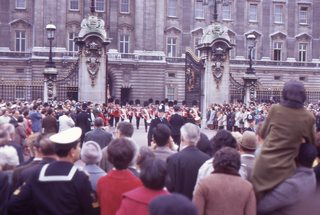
{"x": 140, "y": 136}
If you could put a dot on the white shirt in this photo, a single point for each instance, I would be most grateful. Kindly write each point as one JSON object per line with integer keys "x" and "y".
{"x": 65, "y": 123}
{"x": 207, "y": 168}
{"x": 4, "y": 119}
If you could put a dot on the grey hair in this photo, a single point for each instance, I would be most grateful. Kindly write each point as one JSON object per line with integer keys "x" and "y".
{"x": 190, "y": 133}
{"x": 9, "y": 128}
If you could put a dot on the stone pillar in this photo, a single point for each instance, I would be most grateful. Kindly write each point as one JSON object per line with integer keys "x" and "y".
{"x": 92, "y": 43}
{"x": 214, "y": 48}
{"x": 50, "y": 86}
{"x": 92, "y": 71}
{"x": 250, "y": 83}
{"x": 216, "y": 77}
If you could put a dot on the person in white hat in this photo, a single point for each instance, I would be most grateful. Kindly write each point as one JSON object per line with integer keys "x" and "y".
{"x": 55, "y": 188}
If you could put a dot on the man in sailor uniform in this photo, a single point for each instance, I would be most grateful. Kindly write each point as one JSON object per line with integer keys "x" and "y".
{"x": 58, "y": 187}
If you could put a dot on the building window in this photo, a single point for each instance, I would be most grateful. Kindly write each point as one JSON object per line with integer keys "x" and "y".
{"x": 21, "y": 4}
{"x": 226, "y": 12}
{"x": 278, "y": 11}
{"x": 302, "y": 52}
{"x": 199, "y": 10}
{"x": 302, "y": 78}
{"x": 171, "y": 74}
{"x": 72, "y": 47}
{"x": 253, "y": 17}
{"x": 124, "y": 6}
{"x": 172, "y": 47}
{"x": 170, "y": 93}
{"x": 172, "y": 8}
{"x": 20, "y": 70}
{"x": 124, "y": 43}
{"x": 74, "y": 4}
{"x": 303, "y": 15}
{"x": 20, "y": 41}
{"x": 277, "y": 50}
{"x": 277, "y": 77}
{"x": 100, "y": 5}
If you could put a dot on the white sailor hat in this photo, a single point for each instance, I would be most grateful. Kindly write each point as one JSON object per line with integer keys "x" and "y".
{"x": 66, "y": 137}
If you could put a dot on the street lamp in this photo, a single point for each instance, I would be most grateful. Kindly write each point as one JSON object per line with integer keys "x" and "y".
{"x": 251, "y": 41}
{"x": 50, "y": 72}
{"x": 250, "y": 78}
{"x": 51, "y": 28}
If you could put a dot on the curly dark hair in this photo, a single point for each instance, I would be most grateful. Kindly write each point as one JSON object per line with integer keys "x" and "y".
{"x": 222, "y": 139}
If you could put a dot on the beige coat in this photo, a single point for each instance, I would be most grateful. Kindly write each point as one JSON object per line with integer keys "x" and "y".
{"x": 283, "y": 132}
{"x": 223, "y": 194}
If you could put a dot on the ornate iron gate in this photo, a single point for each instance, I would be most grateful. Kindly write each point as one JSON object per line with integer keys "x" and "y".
{"x": 193, "y": 69}
{"x": 236, "y": 90}
{"x": 28, "y": 90}
{"x": 67, "y": 87}
{"x": 21, "y": 90}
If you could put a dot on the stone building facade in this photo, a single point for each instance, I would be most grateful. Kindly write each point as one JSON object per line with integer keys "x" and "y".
{"x": 149, "y": 39}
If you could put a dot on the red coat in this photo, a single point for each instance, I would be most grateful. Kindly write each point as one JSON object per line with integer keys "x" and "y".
{"x": 111, "y": 187}
{"x": 135, "y": 202}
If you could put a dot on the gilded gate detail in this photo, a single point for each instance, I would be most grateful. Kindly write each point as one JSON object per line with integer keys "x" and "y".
{"x": 193, "y": 69}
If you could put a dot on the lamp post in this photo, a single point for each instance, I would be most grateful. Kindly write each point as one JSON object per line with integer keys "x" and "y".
{"x": 250, "y": 78}
{"x": 50, "y": 28}
{"x": 50, "y": 72}
{"x": 251, "y": 40}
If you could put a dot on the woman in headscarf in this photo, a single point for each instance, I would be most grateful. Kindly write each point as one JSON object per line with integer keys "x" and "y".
{"x": 288, "y": 125}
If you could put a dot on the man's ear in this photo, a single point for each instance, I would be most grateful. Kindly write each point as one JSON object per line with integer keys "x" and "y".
{"x": 72, "y": 152}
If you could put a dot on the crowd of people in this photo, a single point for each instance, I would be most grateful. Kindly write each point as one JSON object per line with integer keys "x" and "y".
{"x": 62, "y": 158}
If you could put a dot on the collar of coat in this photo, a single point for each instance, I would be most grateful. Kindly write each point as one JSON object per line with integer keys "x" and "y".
{"x": 227, "y": 171}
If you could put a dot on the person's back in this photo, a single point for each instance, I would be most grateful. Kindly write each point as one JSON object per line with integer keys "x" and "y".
{"x": 224, "y": 191}
{"x": 162, "y": 141}
{"x": 98, "y": 134}
{"x": 247, "y": 147}
{"x": 223, "y": 138}
{"x": 82, "y": 121}
{"x": 283, "y": 133}
{"x": 4, "y": 190}
{"x": 49, "y": 123}
{"x": 91, "y": 155}
{"x": 118, "y": 181}
{"x": 183, "y": 166}
{"x": 58, "y": 187}
{"x": 176, "y": 122}
{"x": 65, "y": 122}
{"x": 174, "y": 204}
{"x": 295, "y": 195}
{"x": 50, "y": 196}
{"x": 153, "y": 176}
{"x": 36, "y": 119}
